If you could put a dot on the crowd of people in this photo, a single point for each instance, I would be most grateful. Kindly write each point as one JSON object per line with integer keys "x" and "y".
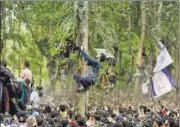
{"x": 105, "y": 116}
{"x": 17, "y": 93}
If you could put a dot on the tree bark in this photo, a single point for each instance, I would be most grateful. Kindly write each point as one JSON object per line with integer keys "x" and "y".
{"x": 40, "y": 72}
{"x": 140, "y": 68}
{"x": 130, "y": 46}
{"x": 51, "y": 68}
{"x": 82, "y": 39}
{"x": 158, "y": 33}
{"x": 139, "y": 60}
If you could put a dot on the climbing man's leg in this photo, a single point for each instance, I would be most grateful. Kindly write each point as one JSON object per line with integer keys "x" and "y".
{"x": 83, "y": 82}
{"x": 77, "y": 77}
{"x": 87, "y": 82}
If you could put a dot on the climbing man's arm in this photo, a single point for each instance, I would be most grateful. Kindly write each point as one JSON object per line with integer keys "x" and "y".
{"x": 90, "y": 60}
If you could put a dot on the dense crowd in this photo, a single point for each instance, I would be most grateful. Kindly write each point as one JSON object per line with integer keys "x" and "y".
{"x": 64, "y": 116}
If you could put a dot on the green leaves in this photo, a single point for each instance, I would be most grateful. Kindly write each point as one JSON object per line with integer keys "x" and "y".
{"x": 27, "y": 23}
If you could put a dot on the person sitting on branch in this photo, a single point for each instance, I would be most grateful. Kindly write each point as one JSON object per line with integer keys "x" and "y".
{"x": 84, "y": 82}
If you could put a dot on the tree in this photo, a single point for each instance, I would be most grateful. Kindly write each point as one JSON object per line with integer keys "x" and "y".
{"x": 40, "y": 29}
{"x": 140, "y": 66}
{"x": 82, "y": 39}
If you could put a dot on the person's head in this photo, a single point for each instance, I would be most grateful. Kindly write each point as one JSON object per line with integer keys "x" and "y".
{"x": 101, "y": 57}
{"x": 27, "y": 83}
{"x": 26, "y": 64}
{"x": 51, "y": 121}
{"x": 171, "y": 122}
{"x": 39, "y": 88}
{"x": 174, "y": 105}
{"x": 91, "y": 117}
{"x": 97, "y": 117}
{"x": 77, "y": 116}
{"x": 158, "y": 123}
{"x": 31, "y": 121}
{"x": 69, "y": 114}
{"x": 48, "y": 109}
{"x": 42, "y": 107}
{"x": 119, "y": 124}
{"x": 54, "y": 114}
{"x": 39, "y": 120}
{"x": 62, "y": 108}
{"x": 58, "y": 124}
{"x": 3, "y": 63}
{"x": 21, "y": 117}
{"x": 81, "y": 121}
{"x": 64, "y": 123}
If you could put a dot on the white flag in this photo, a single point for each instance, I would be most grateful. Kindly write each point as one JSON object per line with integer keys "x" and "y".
{"x": 163, "y": 59}
{"x": 162, "y": 83}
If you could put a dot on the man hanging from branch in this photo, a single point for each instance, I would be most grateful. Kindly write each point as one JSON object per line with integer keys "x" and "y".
{"x": 84, "y": 82}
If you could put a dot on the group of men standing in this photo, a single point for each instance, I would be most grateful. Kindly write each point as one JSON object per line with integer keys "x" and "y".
{"x": 16, "y": 93}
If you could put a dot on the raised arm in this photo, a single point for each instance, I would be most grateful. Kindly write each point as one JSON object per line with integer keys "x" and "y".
{"x": 90, "y": 60}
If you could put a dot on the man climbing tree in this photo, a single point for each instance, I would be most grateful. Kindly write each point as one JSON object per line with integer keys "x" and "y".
{"x": 84, "y": 82}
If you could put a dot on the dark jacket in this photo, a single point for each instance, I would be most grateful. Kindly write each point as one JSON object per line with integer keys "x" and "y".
{"x": 94, "y": 66}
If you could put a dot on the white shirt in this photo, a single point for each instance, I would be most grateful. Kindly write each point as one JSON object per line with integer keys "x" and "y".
{"x": 90, "y": 123}
{"x": 35, "y": 99}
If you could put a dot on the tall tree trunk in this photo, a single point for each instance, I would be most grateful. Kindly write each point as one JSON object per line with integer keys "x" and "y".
{"x": 41, "y": 57}
{"x": 12, "y": 25}
{"x": 158, "y": 33}
{"x": 1, "y": 47}
{"x": 82, "y": 39}
{"x": 40, "y": 72}
{"x": 140, "y": 68}
{"x": 130, "y": 46}
{"x": 19, "y": 61}
{"x": 51, "y": 68}
{"x": 14, "y": 56}
{"x": 51, "y": 61}
{"x": 140, "y": 59}
{"x": 3, "y": 30}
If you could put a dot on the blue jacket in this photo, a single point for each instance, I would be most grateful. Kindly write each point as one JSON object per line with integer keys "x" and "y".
{"x": 94, "y": 68}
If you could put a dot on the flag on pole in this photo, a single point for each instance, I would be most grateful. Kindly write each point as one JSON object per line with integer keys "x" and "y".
{"x": 163, "y": 59}
{"x": 162, "y": 83}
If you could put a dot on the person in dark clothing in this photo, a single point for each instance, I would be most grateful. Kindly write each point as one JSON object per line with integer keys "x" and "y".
{"x": 6, "y": 80}
{"x": 84, "y": 82}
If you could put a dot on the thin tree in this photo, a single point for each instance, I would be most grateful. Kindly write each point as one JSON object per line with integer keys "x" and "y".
{"x": 82, "y": 39}
{"x": 140, "y": 52}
